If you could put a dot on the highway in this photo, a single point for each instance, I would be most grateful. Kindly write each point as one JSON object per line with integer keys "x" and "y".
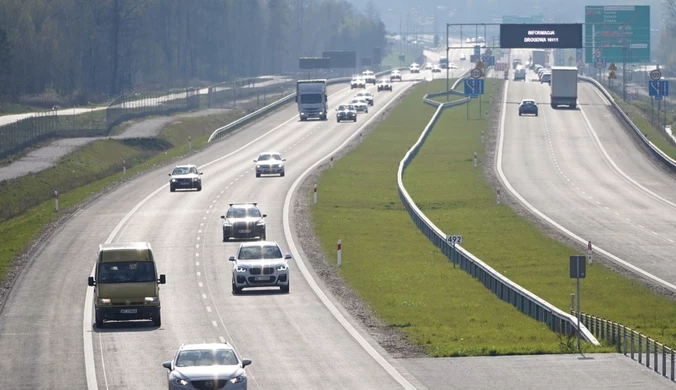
{"x": 294, "y": 340}
{"x": 583, "y": 170}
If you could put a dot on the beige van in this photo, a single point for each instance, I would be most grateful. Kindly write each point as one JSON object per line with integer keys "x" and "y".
{"x": 126, "y": 285}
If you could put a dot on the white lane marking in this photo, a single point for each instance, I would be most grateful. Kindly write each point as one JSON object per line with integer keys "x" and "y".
{"x": 209, "y": 309}
{"x": 197, "y": 263}
{"x": 670, "y": 240}
{"x": 197, "y": 255}
{"x": 222, "y": 339}
{"x": 204, "y": 296}
{"x": 200, "y": 284}
{"x": 199, "y": 273}
{"x": 577, "y": 238}
{"x": 640, "y": 226}
{"x": 214, "y": 323}
{"x": 308, "y": 277}
{"x": 88, "y": 344}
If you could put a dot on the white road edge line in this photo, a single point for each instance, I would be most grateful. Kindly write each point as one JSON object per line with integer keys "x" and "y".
{"x": 88, "y": 338}
{"x": 396, "y": 375}
{"x": 577, "y": 238}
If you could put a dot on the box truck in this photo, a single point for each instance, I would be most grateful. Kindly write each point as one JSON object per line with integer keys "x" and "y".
{"x": 312, "y": 99}
{"x": 564, "y": 86}
{"x": 538, "y": 57}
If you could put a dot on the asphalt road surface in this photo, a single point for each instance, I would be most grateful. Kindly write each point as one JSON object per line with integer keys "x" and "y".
{"x": 294, "y": 340}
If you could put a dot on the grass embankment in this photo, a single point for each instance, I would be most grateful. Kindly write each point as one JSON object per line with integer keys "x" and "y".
{"x": 408, "y": 282}
{"x": 397, "y": 49}
{"x": 26, "y": 204}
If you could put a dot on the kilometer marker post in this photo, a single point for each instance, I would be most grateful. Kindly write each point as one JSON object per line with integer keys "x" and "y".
{"x": 339, "y": 248}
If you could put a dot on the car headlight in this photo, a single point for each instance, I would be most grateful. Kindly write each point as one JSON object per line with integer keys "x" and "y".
{"x": 238, "y": 379}
{"x": 258, "y": 166}
{"x": 282, "y": 267}
{"x": 179, "y": 381}
{"x": 240, "y": 269}
{"x": 104, "y": 301}
{"x": 152, "y": 299}
{"x": 260, "y": 222}
{"x": 227, "y": 222}
{"x": 173, "y": 180}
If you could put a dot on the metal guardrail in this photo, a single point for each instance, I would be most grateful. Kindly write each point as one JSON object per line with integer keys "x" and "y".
{"x": 633, "y": 344}
{"x": 670, "y": 162}
{"x": 222, "y": 131}
{"x": 525, "y": 301}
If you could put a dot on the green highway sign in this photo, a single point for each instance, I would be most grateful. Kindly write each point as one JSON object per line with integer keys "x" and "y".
{"x": 616, "y": 32}
{"x": 513, "y": 19}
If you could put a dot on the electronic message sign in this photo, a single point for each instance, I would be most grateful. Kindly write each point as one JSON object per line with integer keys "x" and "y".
{"x": 541, "y": 36}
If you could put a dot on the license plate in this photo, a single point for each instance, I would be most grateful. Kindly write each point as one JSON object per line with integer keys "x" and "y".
{"x": 262, "y": 278}
{"x": 128, "y": 311}
{"x": 245, "y": 231}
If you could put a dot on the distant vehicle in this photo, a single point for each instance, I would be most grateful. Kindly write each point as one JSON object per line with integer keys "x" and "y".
{"x": 369, "y": 77}
{"x": 270, "y": 163}
{"x": 126, "y": 284}
{"x": 346, "y": 112}
{"x": 243, "y": 220}
{"x": 453, "y": 66}
{"x": 185, "y": 177}
{"x": 537, "y": 68}
{"x": 469, "y": 40}
{"x": 436, "y": 69}
{"x": 540, "y": 72}
{"x": 443, "y": 62}
{"x": 564, "y": 86}
{"x": 312, "y": 99}
{"x": 428, "y": 65}
{"x": 260, "y": 264}
{"x": 520, "y": 73}
{"x": 207, "y": 366}
{"x": 528, "y": 106}
{"x": 480, "y": 39}
{"x": 414, "y": 68}
{"x": 360, "y": 105}
{"x": 516, "y": 63}
{"x": 368, "y": 96}
{"x": 463, "y": 57}
{"x": 384, "y": 85}
{"x": 395, "y": 75}
{"x": 539, "y": 57}
{"x": 357, "y": 82}
{"x": 546, "y": 78}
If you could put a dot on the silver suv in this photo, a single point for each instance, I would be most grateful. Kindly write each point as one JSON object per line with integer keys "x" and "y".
{"x": 207, "y": 366}
{"x": 185, "y": 177}
{"x": 260, "y": 264}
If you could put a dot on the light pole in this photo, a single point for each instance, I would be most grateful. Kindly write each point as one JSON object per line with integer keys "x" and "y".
{"x": 448, "y": 66}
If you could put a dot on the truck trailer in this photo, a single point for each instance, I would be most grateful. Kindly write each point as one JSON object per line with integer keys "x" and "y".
{"x": 539, "y": 57}
{"x": 312, "y": 99}
{"x": 564, "y": 86}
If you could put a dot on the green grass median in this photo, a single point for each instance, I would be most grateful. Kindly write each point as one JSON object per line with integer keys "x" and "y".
{"x": 410, "y": 284}
{"x": 26, "y": 203}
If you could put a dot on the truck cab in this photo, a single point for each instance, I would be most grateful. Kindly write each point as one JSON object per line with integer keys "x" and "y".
{"x": 126, "y": 284}
{"x": 312, "y": 99}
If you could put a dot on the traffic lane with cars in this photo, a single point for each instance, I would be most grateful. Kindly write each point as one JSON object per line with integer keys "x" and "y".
{"x": 309, "y": 345}
{"x": 49, "y": 330}
{"x": 555, "y": 164}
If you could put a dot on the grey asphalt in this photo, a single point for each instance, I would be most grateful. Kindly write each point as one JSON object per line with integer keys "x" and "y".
{"x": 293, "y": 339}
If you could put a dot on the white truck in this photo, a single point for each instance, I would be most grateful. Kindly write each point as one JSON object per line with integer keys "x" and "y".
{"x": 538, "y": 57}
{"x": 564, "y": 86}
{"x": 312, "y": 99}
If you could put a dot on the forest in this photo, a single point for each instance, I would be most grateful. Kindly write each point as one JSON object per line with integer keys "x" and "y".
{"x": 91, "y": 50}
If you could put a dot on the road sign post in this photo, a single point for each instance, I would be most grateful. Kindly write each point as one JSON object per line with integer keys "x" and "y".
{"x": 454, "y": 239}
{"x": 578, "y": 270}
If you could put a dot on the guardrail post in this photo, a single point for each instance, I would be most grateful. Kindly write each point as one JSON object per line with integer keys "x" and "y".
{"x": 672, "y": 364}
{"x": 315, "y": 194}
{"x": 497, "y": 193}
{"x": 190, "y": 143}
{"x": 340, "y": 252}
{"x": 56, "y": 201}
{"x": 482, "y": 136}
{"x": 124, "y": 167}
{"x": 331, "y": 162}
{"x": 475, "y": 160}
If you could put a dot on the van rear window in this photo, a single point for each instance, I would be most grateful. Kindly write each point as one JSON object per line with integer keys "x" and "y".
{"x": 125, "y": 255}
{"x": 126, "y": 272}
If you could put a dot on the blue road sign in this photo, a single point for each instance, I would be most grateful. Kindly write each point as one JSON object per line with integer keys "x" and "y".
{"x": 491, "y": 61}
{"x": 658, "y": 88}
{"x": 600, "y": 62}
{"x": 474, "y": 87}
{"x": 477, "y": 50}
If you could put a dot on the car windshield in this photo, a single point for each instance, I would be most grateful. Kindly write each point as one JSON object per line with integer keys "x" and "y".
{"x": 126, "y": 272}
{"x": 528, "y": 102}
{"x": 242, "y": 212}
{"x": 355, "y": 101}
{"x": 206, "y": 357}
{"x": 256, "y": 252}
{"x": 180, "y": 171}
{"x": 311, "y": 98}
{"x": 344, "y": 108}
{"x": 265, "y": 157}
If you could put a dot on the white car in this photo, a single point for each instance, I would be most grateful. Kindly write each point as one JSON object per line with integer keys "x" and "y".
{"x": 360, "y": 105}
{"x": 357, "y": 82}
{"x": 414, "y": 68}
{"x": 384, "y": 85}
{"x": 453, "y": 66}
{"x": 395, "y": 75}
{"x": 369, "y": 77}
{"x": 428, "y": 65}
{"x": 260, "y": 264}
{"x": 270, "y": 163}
{"x": 346, "y": 112}
{"x": 368, "y": 96}
{"x": 436, "y": 69}
{"x": 463, "y": 57}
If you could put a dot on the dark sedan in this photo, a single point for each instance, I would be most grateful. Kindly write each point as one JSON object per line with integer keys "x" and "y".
{"x": 528, "y": 106}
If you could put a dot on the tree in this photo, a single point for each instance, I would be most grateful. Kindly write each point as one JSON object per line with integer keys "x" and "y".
{"x": 5, "y": 64}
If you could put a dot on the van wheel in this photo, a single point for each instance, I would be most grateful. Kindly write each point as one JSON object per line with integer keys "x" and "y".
{"x": 157, "y": 321}
{"x": 285, "y": 289}
{"x": 99, "y": 322}
{"x": 172, "y": 189}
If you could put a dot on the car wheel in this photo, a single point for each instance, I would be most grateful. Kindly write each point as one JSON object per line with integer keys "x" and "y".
{"x": 519, "y": 114}
{"x": 285, "y": 289}
{"x": 225, "y": 236}
{"x": 366, "y": 111}
{"x": 281, "y": 174}
{"x": 258, "y": 174}
{"x": 199, "y": 188}
{"x": 355, "y": 119}
{"x": 99, "y": 322}
{"x": 157, "y": 321}
{"x": 263, "y": 236}
{"x": 172, "y": 189}
{"x": 235, "y": 290}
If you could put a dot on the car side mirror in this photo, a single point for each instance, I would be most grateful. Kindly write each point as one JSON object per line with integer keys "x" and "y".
{"x": 163, "y": 279}
{"x": 288, "y": 256}
{"x": 91, "y": 281}
{"x": 222, "y": 216}
{"x": 201, "y": 173}
{"x": 283, "y": 159}
{"x": 232, "y": 258}
{"x": 246, "y": 362}
{"x": 336, "y": 109}
{"x": 264, "y": 215}
{"x": 167, "y": 365}
{"x": 255, "y": 160}
{"x": 170, "y": 174}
